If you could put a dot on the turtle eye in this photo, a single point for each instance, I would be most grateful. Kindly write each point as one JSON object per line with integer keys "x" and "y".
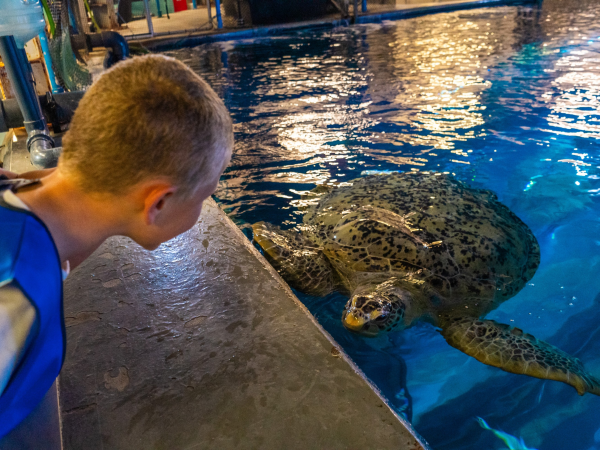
{"x": 360, "y": 301}
{"x": 381, "y": 318}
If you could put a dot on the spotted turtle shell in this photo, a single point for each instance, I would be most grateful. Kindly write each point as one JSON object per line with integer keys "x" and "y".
{"x": 459, "y": 244}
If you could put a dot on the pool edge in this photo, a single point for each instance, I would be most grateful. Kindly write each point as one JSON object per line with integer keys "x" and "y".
{"x": 176, "y": 41}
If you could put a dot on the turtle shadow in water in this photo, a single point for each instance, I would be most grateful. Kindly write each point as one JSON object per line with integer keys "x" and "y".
{"x": 385, "y": 369}
{"x": 546, "y": 415}
{"x": 550, "y": 200}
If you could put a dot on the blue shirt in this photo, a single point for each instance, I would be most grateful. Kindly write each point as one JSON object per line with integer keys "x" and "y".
{"x": 29, "y": 268}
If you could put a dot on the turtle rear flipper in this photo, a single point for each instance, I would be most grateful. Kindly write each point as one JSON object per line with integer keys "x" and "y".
{"x": 510, "y": 349}
{"x": 296, "y": 259}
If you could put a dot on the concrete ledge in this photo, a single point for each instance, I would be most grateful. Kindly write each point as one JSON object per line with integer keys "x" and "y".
{"x": 174, "y": 41}
{"x": 200, "y": 344}
{"x": 440, "y": 8}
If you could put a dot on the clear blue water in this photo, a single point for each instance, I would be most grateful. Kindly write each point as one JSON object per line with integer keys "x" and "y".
{"x": 506, "y": 99}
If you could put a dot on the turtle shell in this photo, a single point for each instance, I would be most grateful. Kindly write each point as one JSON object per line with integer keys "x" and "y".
{"x": 455, "y": 241}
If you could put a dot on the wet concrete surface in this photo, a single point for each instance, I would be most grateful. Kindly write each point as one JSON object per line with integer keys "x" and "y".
{"x": 199, "y": 344}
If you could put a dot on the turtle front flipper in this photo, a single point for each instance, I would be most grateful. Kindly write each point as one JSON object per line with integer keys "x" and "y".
{"x": 297, "y": 259}
{"x": 510, "y": 349}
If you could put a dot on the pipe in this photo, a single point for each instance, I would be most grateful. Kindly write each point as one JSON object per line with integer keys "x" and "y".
{"x": 149, "y": 17}
{"x": 338, "y": 7}
{"x": 355, "y": 11}
{"x": 43, "y": 154}
{"x": 364, "y": 6}
{"x": 48, "y": 60}
{"x": 119, "y": 48}
{"x": 240, "y": 19}
{"x": 219, "y": 18}
{"x": 210, "y": 20}
{"x": 117, "y": 45}
{"x": 58, "y": 110}
{"x": 22, "y": 81}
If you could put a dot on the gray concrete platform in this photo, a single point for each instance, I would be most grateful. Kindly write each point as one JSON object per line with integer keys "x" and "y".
{"x": 201, "y": 345}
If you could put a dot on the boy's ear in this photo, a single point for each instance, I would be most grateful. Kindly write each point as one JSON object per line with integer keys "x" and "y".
{"x": 155, "y": 198}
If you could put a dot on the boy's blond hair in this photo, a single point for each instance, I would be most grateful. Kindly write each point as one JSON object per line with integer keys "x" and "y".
{"x": 147, "y": 117}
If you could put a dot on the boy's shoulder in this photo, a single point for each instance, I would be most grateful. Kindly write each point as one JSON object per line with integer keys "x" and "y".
{"x": 25, "y": 241}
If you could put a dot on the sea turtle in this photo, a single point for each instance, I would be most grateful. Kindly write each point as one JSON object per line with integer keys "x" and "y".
{"x": 422, "y": 246}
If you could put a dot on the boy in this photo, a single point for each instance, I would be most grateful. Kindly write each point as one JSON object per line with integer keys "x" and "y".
{"x": 147, "y": 145}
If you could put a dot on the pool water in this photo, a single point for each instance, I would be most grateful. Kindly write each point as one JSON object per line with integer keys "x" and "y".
{"x": 504, "y": 98}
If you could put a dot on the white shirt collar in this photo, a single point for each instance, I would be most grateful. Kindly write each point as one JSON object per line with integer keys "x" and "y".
{"x": 11, "y": 198}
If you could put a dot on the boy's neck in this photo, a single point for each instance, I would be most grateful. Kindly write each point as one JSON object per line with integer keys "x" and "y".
{"x": 78, "y": 222}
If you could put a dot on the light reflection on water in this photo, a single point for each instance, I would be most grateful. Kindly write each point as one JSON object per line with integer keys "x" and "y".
{"x": 506, "y": 99}
{"x": 577, "y": 110}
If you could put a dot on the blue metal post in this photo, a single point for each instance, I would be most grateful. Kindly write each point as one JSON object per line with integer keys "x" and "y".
{"x": 158, "y": 11}
{"x": 48, "y": 60}
{"x": 364, "y": 5}
{"x": 194, "y": 4}
{"x": 219, "y": 18}
{"x": 21, "y": 79}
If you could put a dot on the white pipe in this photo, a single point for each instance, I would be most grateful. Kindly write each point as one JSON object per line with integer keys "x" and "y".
{"x": 149, "y": 18}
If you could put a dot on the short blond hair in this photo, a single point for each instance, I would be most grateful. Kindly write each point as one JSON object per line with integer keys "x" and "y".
{"x": 147, "y": 117}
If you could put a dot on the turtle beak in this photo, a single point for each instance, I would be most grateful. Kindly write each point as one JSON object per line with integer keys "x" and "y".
{"x": 353, "y": 322}
{"x": 358, "y": 323}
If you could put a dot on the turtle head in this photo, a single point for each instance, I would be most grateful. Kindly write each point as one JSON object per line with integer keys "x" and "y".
{"x": 375, "y": 310}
